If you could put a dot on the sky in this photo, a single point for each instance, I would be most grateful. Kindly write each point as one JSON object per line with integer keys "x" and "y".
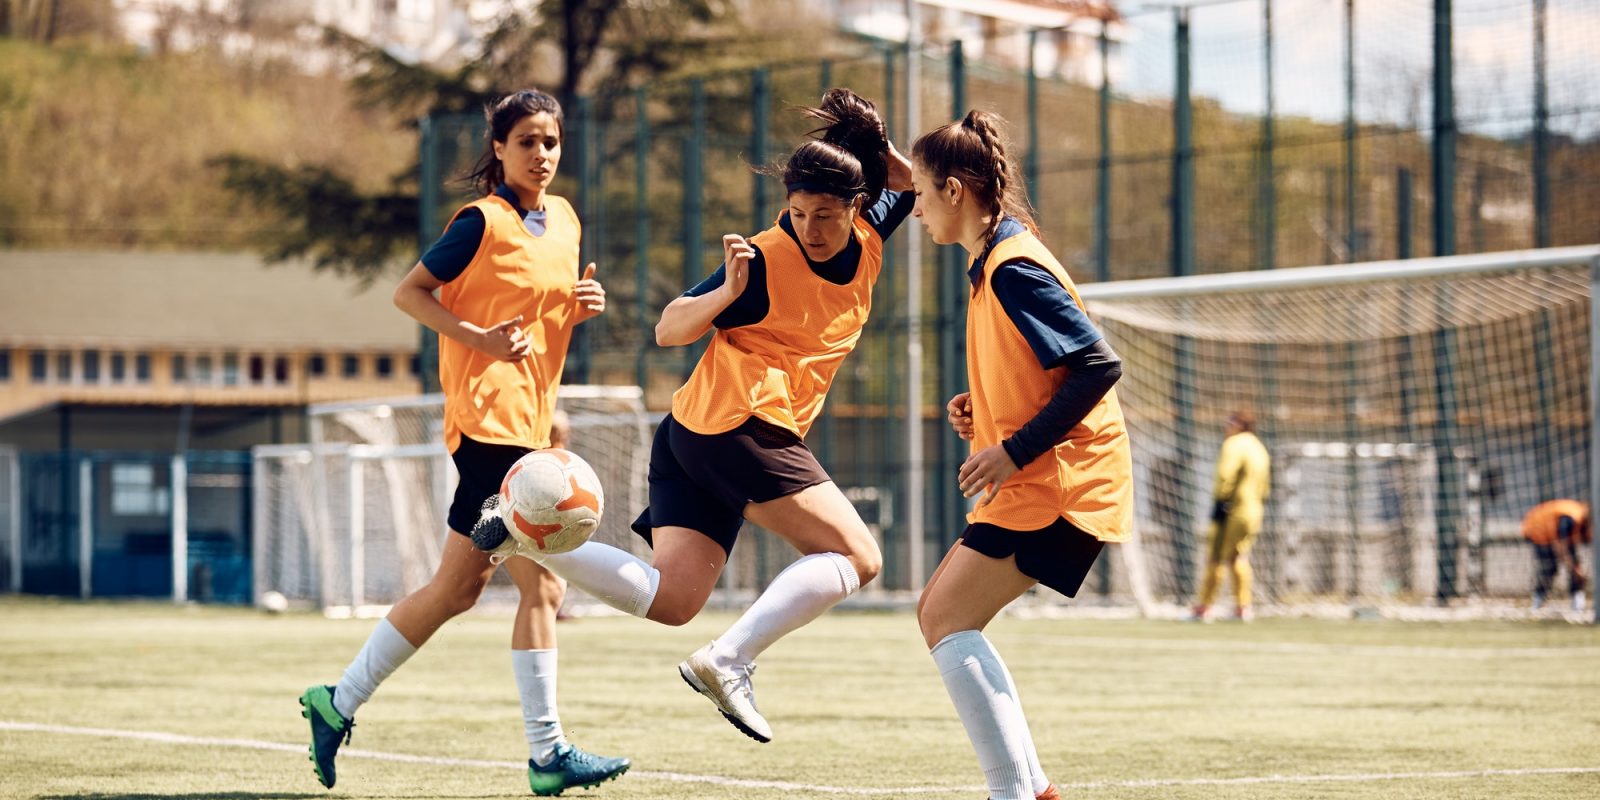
{"x": 1493, "y": 60}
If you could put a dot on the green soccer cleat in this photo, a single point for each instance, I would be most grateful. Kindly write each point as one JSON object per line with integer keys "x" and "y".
{"x": 573, "y": 767}
{"x": 329, "y": 729}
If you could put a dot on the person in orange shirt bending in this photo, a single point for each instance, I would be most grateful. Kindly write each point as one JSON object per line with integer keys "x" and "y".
{"x": 1050, "y": 454}
{"x": 1555, "y": 529}
{"x": 510, "y": 293}
{"x": 784, "y": 310}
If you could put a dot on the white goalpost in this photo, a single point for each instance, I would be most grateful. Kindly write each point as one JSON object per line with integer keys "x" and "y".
{"x": 354, "y": 520}
{"x": 1415, "y": 410}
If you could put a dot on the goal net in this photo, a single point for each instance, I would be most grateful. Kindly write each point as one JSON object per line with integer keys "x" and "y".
{"x": 354, "y": 520}
{"x": 1414, "y": 412}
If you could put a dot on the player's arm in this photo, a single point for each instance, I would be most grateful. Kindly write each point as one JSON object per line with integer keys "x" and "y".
{"x": 687, "y": 318}
{"x": 414, "y": 295}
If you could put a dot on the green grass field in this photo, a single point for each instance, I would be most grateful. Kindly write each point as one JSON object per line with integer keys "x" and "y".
{"x": 104, "y": 700}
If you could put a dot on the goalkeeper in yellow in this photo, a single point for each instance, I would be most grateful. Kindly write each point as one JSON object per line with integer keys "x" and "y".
{"x": 1244, "y": 478}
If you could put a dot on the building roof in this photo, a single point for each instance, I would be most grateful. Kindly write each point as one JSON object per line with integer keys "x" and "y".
{"x": 211, "y": 300}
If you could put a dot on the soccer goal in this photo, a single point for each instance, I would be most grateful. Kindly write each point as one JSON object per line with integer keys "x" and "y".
{"x": 1415, "y": 410}
{"x": 353, "y": 521}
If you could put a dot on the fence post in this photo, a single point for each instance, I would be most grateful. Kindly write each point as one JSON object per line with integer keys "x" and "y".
{"x": 1182, "y": 156}
{"x": 1541, "y": 131}
{"x": 915, "y": 486}
{"x": 761, "y": 102}
{"x": 1102, "y": 205}
{"x": 693, "y": 191}
{"x": 1402, "y": 213}
{"x": 588, "y": 202}
{"x": 1352, "y": 244}
{"x": 1033, "y": 118}
{"x": 952, "y": 331}
{"x": 1266, "y": 191}
{"x": 641, "y": 233}
{"x": 1444, "y": 133}
{"x": 180, "y": 528}
{"x": 428, "y": 200}
{"x": 86, "y": 528}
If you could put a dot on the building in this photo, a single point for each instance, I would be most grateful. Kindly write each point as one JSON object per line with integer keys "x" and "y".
{"x": 1066, "y": 46}
{"x": 132, "y": 387}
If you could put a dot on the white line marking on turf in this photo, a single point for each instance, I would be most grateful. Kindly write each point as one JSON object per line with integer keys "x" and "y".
{"x": 745, "y": 783}
{"x": 1314, "y": 648}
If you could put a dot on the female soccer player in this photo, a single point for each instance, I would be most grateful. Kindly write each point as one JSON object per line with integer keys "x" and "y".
{"x": 787, "y": 306}
{"x": 1050, "y": 455}
{"x": 510, "y": 294}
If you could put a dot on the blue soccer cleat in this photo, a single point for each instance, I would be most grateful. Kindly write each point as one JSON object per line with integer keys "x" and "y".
{"x": 573, "y": 767}
{"x": 329, "y": 729}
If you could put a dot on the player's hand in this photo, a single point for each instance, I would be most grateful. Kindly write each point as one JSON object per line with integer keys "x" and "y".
{"x": 506, "y": 341}
{"x": 591, "y": 295}
{"x": 959, "y": 410}
{"x": 899, "y": 177}
{"x": 984, "y": 471}
{"x": 736, "y": 255}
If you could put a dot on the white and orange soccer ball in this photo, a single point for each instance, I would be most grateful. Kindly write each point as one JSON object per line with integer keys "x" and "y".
{"x": 551, "y": 501}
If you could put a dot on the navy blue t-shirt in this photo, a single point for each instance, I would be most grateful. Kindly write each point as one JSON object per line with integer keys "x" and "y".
{"x": 449, "y": 256}
{"x": 751, "y": 306}
{"x": 1036, "y": 302}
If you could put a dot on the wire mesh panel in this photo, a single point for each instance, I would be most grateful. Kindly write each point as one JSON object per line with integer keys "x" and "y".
{"x": 1413, "y": 417}
{"x": 10, "y": 522}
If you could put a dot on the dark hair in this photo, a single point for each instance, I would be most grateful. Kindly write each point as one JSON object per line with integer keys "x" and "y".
{"x": 973, "y": 151}
{"x": 501, "y": 117}
{"x": 847, "y": 156}
{"x": 1244, "y": 418}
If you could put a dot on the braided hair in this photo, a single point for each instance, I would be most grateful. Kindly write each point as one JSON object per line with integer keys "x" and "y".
{"x": 973, "y": 151}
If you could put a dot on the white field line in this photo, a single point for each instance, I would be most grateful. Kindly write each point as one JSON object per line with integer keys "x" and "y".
{"x": 718, "y": 780}
{"x": 1483, "y": 653}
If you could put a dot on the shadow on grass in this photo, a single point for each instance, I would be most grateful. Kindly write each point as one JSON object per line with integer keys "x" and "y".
{"x": 225, "y": 796}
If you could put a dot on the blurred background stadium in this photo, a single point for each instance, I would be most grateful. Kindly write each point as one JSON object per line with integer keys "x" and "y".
{"x": 205, "y": 394}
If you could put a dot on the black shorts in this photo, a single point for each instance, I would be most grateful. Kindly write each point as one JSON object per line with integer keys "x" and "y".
{"x": 703, "y": 482}
{"x": 1057, "y": 555}
{"x": 482, "y": 467}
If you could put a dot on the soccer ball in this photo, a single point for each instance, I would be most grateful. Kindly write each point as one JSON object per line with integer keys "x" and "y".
{"x": 551, "y": 501}
{"x": 274, "y": 602}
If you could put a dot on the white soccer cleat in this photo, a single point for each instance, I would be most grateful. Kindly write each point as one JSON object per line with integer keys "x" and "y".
{"x": 729, "y": 689}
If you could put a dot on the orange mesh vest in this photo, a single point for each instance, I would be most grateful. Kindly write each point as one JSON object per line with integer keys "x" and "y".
{"x": 513, "y": 272}
{"x": 1541, "y": 526}
{"x": 1088, "y": 477}
{"x": 779, "y": 369}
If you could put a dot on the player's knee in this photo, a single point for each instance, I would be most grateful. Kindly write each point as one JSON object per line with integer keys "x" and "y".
{"x": 545, "y": 593}
{"x": 461, "y": 598}
{"x": 867, "y": 565}
{"x": 673, "y": 613}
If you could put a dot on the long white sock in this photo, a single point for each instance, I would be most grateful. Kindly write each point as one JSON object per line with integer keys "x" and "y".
{"x": 1041, "y": 782}
{"x": 615, "y": 577}
{"x": 975, "y": 677}
{"x": 798, "y": 595}
{"x": 383, "y": 653}
{"x": 536, "y": 682}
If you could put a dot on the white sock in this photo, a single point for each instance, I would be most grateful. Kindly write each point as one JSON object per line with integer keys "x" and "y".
{"x": 976, "y": 679}
{"x": 536, "y": 682}
{"x": 798, "y": 595}
{"x": 383, "y": 653}
{"x": 615, "y": 577}
{"x": 1041, "y": 782}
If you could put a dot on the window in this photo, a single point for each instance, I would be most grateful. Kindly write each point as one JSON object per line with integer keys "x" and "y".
{"x": 230, "y": 369}
{"x": 280, "y": 369}
{"x": 202, "y": 369}
{"x": 91, "y": 366}
{"x": 38, "y": 366}
{"x": 317, "y": 365}
{"x": 141, "y": 368}
{"x": 385, "y": 366}
{"x": 119, "y": 367}
{"x": 258, "y": 369}
{"x": 180, "y": 368}
{"x": 416, "y": 366}
{"x": 64, "y": 367}
{"x": 134, "y": 492}
{"x": 352, "y": 366}
{"x": 5, "y": 365}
